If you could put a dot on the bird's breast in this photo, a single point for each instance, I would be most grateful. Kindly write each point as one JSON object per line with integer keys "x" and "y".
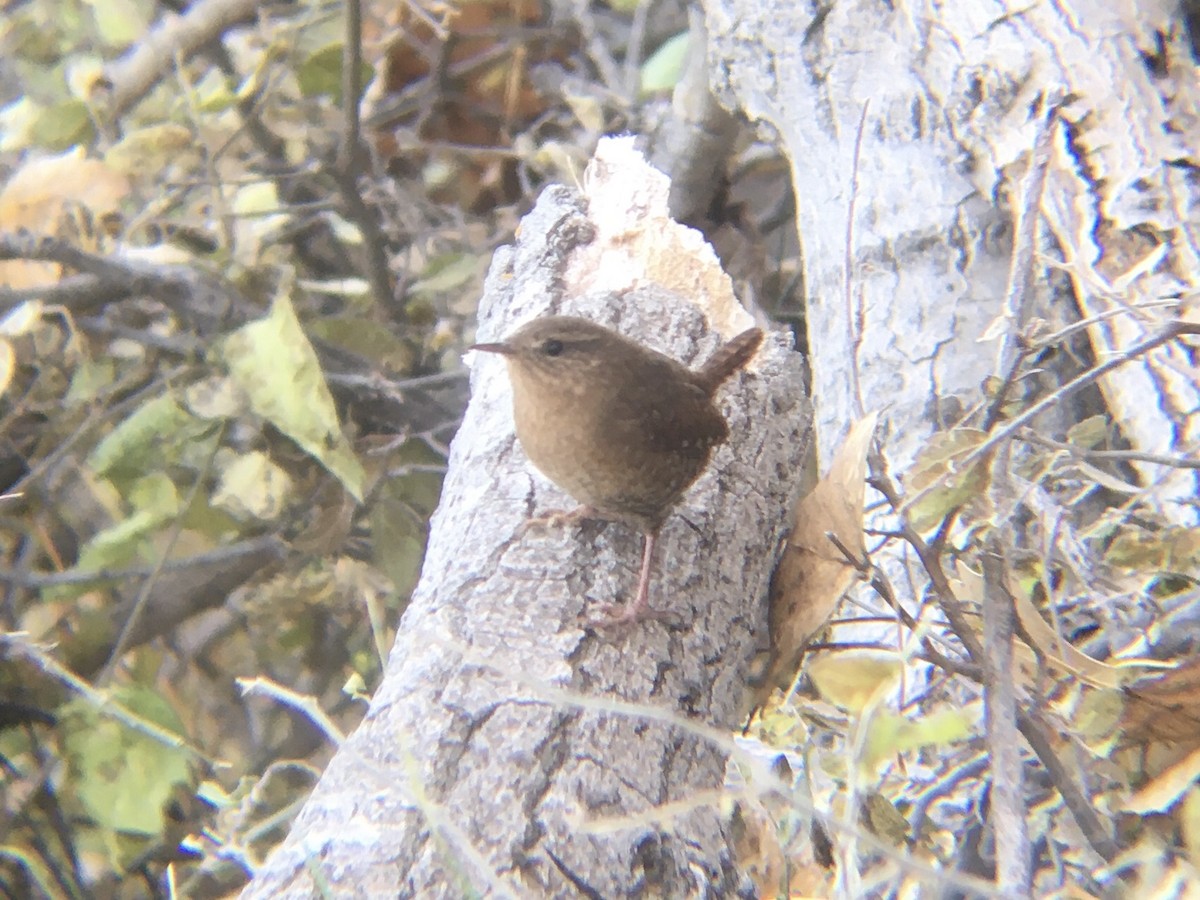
{"x": 589, "y": 444}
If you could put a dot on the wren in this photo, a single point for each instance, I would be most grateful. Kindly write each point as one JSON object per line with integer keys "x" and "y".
{"x": 622, "y": 428}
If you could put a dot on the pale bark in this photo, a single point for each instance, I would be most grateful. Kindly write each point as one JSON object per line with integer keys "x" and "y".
{"x": 949, "y": 92}
{"x": 503, "y": 731}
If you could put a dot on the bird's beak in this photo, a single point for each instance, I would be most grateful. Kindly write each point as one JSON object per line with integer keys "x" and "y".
{"x": 502, "y": 349}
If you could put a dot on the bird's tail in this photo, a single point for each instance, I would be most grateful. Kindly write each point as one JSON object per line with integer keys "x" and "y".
{"x": 730, "y": 357}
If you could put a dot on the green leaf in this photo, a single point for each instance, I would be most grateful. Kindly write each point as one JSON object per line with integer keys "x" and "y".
{"x": 151, "y": 148}
{"x": 939, "y": 481}
{"x": 120, "y": 22}
{"x": 664, "y": 68}
{"x": 852, "y": 680}
{"x": 445, "y": 273}
{"x": 213, "y": 93}
{"x": 91, "y": 377}
{"x": 61, "y": 126}
{"x": 1171, "y": 549}
{"x": 138, "y": 443}
{"x": 366, "y": 338}
{"x": 404, "y": 503}
{"x": 1089, "y": 433}
{"x": 321, "y": 73}
{"x": 124, "y": 777}
{"x": 890, "y": 733}
{"x": 274, "y": 363}
{"x": 154, "y": 500}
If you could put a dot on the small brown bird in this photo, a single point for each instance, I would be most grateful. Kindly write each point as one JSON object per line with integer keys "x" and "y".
{"x": 622, "y": 428}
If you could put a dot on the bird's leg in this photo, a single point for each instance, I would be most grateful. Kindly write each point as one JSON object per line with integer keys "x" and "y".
{"x": 639, "y": 608}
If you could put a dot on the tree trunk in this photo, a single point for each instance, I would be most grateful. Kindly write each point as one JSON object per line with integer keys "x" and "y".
{"x": 509, "y": 750}
{"x": 952, "y": 94}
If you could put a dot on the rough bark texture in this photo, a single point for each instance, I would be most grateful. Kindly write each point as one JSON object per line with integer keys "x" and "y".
{"x": 951, "y": 92}
{"x": 504, "y": 732}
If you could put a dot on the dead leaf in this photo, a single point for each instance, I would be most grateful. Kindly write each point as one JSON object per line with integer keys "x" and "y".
{"x": 1058, "y": 651}
{"x": 1166, "y": 708}
{"x": 1163, "y": 791}
{"x": 813, "y": 573}
{"x": 1046, "y": 643}
{"x": 40, "y": 195}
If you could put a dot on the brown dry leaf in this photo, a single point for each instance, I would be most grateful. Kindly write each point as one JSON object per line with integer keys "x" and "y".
{"x": 1058, "y": 651}
{"x": 1163, "y": 791}
{"x": 883, "y": 820}
{"x": 813, "y": 573}
{"x": 8, "y": 364}
{"x": 1166, "y": 708}
{"x": 469, "y": 67}
{"x": 40, "y": 195}
{"x": 1189, "y": 307}
{"x": 1046, "y": 643}
{"x": 755, "y": 826}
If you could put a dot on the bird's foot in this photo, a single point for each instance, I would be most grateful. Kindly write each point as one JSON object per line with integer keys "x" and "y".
{"x": 616, "y": 615}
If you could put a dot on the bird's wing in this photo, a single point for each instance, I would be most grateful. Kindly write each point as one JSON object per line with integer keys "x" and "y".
{"x": 671, "y": 414}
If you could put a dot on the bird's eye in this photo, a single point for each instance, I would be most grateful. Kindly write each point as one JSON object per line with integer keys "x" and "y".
{"x": 553, "y": 347}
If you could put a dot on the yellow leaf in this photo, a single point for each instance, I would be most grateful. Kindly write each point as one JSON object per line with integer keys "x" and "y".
{"x": 852, "y": 680}
{"x": 274, "y": 363}
{"x": 252, "y": 486}
{"x": 939, "y": 482}
{"x": 8, "y": 363}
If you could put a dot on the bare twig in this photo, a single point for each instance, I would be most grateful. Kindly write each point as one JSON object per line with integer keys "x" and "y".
{"x": 1014, "y": 875}
{"x": 1171, "y": 332}
{"x": 854, "y": 314}
{"x": 1014, "y": 349}
{"x": 173, "y": 38}
{"x": 1006, "y": 812}
{"x": 1179, "y": 462}
{"x": 349, "y": 162}
{"x": 350, "y": 151}
{"x": 124, "y": 639}
{"x": 378, "y": 270}
{"x": 635, "y": 52}
{"x": 200, "y": 300}
{"x": 1031, "y": 727}
{"x": 221, "y": 556}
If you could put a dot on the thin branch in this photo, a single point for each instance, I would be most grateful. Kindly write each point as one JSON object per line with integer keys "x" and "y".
{"x": 379, "y": 272}
{"x": 173, "y": 38}
{"x": 1171, "y": 332}
{"x": 854, "y": 315}
{"x": 1083, "y": 810}
{"x": 1015, "y": 349}
{"x": 1176, "y": 462}
{"x": 213, "y": 558}
{"x": 1031, "y": 727}
{"x": 124, "y": 639}
{"x": 350, "y": 148}
{"x": 1014, "y": 874}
